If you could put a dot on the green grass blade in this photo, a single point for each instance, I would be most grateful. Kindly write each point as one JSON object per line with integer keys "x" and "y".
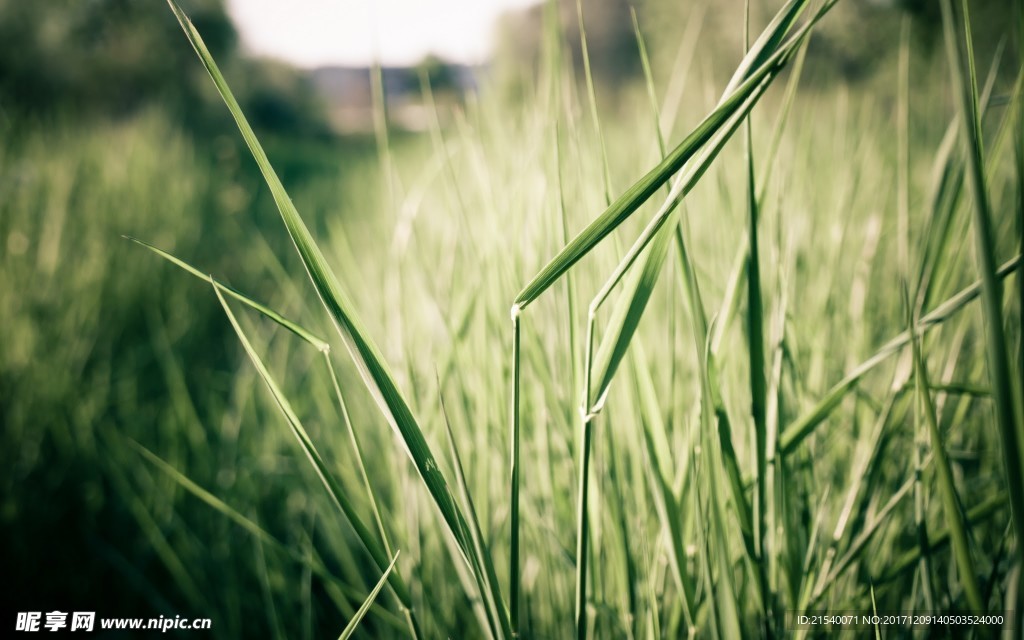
{"x": 965, "y": 81}
{"x": 805, "y": 425}
{"x": 755, "y": 328}
{"x": 514, "y": 564}
{"x": 583, "y": 528}
{"x": 725, "y": 596}
{"x": 627, "y": 203}
{"x": 482, "y": 565}
{"x": 259, "y": 533}
{"x": 950, "y": 499}
{"x": 334, "y": 489}
{"x": 627, "y": 314}
{"x": 318, "y": 343}
{"x": 939, "y": 540}
{"x": 350, "y": 628}
{"x": 358, "y": 450}
{"x": 666, "y": 502}
{"x": 757, "y": 376}
{"x": 626, "y": 317}
{"x": 768, "y": 41}
{"x": 364, "y": 351}
{"x": 606, "y": 174}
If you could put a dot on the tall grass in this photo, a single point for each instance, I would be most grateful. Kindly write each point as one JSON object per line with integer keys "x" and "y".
{"x": 718, "y": 451}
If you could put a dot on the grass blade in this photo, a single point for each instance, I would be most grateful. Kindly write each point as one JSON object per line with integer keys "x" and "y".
{"x": 606, "y": 175}
{"x": 514, "y": 482}
{"x": 630, "y": 309}
{"x": 583, "y": 528}
{"x": 666, "y": 501}
{"x": 334, "y": 489}
{"x": 975, "y": 515}
{"x": 318, "y": 343}
{"x": 350, "y": 628}
{"x": 805, "y": 425}
{"x": 364, "y": 351}
{"x": 950, "y": 500}
{"x": 965, "y": 81}
{"x": 312, "y": 563}
{"x": 636, "y": 195}
{"x": 757, "y": 365}
{"x": 482, "y": 565}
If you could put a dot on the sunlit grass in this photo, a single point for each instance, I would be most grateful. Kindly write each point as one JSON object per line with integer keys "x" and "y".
{"x": 741, "y": 520}
{"x": 745, "y": 374}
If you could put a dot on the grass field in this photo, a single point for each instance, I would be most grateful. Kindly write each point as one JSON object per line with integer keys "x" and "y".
{"x": 799, "y": 391}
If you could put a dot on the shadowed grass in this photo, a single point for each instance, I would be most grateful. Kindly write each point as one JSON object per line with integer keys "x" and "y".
{"x": 961, "y": 58}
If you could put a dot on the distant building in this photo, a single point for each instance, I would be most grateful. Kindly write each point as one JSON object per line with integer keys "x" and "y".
{"x": 347, "y": 92}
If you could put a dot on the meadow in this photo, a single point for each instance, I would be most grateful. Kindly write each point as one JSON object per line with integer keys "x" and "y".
{"x": 734, "y": 349}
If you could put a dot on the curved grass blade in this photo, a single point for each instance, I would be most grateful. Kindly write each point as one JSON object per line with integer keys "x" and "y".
{"x": 350, "y": 628}
{"x": 357, "y": 448}
{"x": 643, "y": 189}
{"x": 938, "y": 541}
{"x": 218, "y": 505}
{"x": 334, "y": 489}
{"x": 860, "y": 542}
{"x": 627, "y": 314}
{"x": 805, "y": 425}
{"x": 625, "y": 319}
{"x": 965, "y": 80}
{"x": 364, "y": 351}
{"x": 319, "y": 343}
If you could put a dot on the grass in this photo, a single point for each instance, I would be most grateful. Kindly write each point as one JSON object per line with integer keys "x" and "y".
{"x": 964, "y": 73}
{"x": 751, "y": 416}
{"x": 720, "y": 467}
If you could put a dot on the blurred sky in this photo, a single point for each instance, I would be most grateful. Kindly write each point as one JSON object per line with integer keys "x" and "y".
{"x": 312, "y": 33}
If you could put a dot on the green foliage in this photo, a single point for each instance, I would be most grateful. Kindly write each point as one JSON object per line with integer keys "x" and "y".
{"x": 108, "y": 55}
{"x": 231, "y": 461}
{"x": 111, "y": 58}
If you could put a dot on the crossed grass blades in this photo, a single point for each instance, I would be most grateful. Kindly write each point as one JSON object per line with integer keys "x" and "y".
{"x": 723, "y": 523}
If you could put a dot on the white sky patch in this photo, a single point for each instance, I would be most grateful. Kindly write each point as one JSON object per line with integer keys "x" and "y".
{"x": 311, "y": 33}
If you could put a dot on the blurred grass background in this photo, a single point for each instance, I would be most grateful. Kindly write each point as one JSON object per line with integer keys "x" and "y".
{"x": 108, "y": 127}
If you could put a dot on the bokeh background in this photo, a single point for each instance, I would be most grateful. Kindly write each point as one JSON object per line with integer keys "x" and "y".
{"x": 110, "y": 127}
